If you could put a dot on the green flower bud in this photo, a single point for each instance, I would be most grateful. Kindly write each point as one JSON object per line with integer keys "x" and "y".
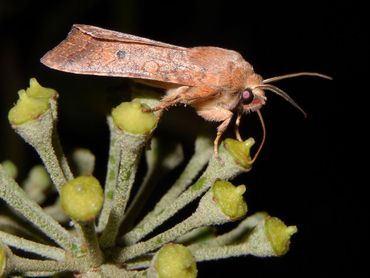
{"x": 279, "y": 234}
{"x": 129, "y": 116}
{"x": 271, "y": 237}
{"x": 229, "y": 198}
{"x": 240, "y": 151}
{"x": 174, "y": 260}
{"x": 82, "y": 198}
{"x": 32, "y": 102}
{"x": 10, "y": 168}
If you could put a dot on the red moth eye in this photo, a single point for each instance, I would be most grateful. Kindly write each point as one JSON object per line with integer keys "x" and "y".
{"x": 247, "y": 96}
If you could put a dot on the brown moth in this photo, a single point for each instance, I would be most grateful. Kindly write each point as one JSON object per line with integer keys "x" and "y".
{"x": 217, "y": 82}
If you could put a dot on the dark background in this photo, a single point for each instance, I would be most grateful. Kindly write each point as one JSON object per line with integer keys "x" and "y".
{"x": 304, "y": 174}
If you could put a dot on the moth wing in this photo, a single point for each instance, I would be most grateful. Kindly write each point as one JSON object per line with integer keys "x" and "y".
{"x": 96, "y": 51}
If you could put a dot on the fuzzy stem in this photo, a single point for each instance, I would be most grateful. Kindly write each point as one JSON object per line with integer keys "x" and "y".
{"x": 161, "y": 159}
{"x": 50, "y": 160}
{"x": 245, "y": 226}
{"x": 90, "y": 243}
{"x": 38, "y": 134}
{"x": 13, "y": 194}
{"x": 12, "y": 226}
{"x": 203, "y": 151}
{"x": 202, "y": 154}
{"x": 112, "y": 174}
{"x": 131, "y": 149}
{"x": 61, "y": 156}
{"x": 139, "y": 263}
{"x": 208, "y": 212}
{"x": 19, "y": 264}
{"x": 33, "y": 247}
{"x": 220, "y": 252}
{"x": 137, "y": 274}
{"x": 224, "y": 168}
{"x": 157, "y": 241}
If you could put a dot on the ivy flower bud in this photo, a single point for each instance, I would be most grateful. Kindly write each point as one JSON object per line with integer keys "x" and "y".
{"x": 32, "y": 102}
{"x": 229, "y": 199}
{"x": 240, "y": 151}
{"x": 129, "y": 117}
{"x": 82, "y": 198}
{"x": 279, "y": 235}
{"x": 173, "y": 260}
{"x": 10, "y": 168}
{"x": 271, "y": 237}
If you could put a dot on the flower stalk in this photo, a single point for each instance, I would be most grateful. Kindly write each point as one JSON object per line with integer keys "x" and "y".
{"x": 133, "y": 129}
{"x": 11, "y": 193}
{"x": 115, "y": 248}
{"x": 211, "y": 211}
{"x": 224, "y": 169}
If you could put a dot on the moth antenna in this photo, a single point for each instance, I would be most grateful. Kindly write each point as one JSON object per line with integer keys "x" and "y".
{"x": 263, "y": 136}
{"x": 283, "y": 94}
{"x": 291, "y": 75}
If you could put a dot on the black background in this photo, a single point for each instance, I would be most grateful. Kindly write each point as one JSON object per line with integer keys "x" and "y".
{"x": 304, "y": 174}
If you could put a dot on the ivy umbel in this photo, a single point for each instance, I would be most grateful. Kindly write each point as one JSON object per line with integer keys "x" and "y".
{"x": 103, "y": 239}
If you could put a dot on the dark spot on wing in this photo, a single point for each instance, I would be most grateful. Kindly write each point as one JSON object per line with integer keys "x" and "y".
{"x": 121, "y": 54}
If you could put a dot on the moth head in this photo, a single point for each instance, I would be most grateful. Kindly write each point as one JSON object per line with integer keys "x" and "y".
{"x": 253, "y": 97}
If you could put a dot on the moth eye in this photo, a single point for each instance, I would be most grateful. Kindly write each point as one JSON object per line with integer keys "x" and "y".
{"x": 247, "y": 96}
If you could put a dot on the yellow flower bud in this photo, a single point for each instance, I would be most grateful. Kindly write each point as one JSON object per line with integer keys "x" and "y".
{"x": 229, "y": 198}
{"x": 240, "y": 151}
{"x": 129, "y": 117}
{"x": 175, "y": 260}
{"x": 279, "y": 234}
{"x": 82, "y": 198}
{"x": 32, "y": 102}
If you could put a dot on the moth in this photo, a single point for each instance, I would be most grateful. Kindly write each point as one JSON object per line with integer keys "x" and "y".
{"x": 217, "y": 82}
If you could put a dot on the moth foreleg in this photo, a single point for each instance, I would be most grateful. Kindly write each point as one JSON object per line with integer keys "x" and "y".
{"x": 237, "y": 125}
{"x": 172, "y": 97}
{"x": 217, "y": 114}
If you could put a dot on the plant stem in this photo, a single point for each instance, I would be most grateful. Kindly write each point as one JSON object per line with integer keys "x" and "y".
{"x": 224, "y": 168}
{"x": 203, "y": 151}
{"x": 33, "y": 247}
{"x": 244, "y": 227}
{"x": 19, "y": 264}
{"x": 140, "y": 248}
{"x": 161, "y": 158}
{"x": 60, "y": 155}
{"x": 111, "y": 175}
{"x": 220, "y": 252}
{"x": 131, "y": 149}
{"x": 39, "y": 134}
{"x": 13, "y": 194}
{"x": 90, "y": 243}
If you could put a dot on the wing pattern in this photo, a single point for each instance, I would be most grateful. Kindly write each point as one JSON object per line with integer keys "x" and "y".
{"x": 96, "y": 51}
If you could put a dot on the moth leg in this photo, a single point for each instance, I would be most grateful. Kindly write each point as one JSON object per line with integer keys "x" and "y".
{"x": 237, "y": 124}
{"x": 220, "y": 130}
{"x": 198, "y": 95}
{"x": 172, "y": 97}
{"x": 218, "y": 115}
